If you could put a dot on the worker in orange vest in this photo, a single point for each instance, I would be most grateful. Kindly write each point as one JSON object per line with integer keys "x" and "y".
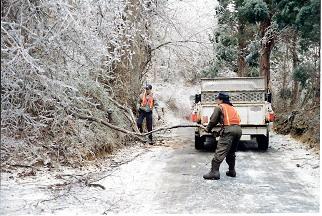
{"x": 146, "y": 104}
{"x": 230, "y": 134}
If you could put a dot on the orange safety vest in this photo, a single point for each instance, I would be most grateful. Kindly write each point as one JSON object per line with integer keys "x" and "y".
{"x": 150, "y": 101}
{"x": 230, "y": 115}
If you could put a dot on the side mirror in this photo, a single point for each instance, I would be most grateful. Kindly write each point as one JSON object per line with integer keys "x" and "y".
{"x": 197, "y": 98}
{"x": 268, "y": 97}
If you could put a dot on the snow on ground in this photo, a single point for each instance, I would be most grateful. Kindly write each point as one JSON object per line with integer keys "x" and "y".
{"x": 167, "y": 178}
{"x": 304, "y": 161}
{"x": 26, "y": 194}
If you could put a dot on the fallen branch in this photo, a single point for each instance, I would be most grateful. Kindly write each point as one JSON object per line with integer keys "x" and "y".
{"x": 173, "y": 127}
{"x": 96, "y": 185}
{"x": 135, "y": 134}
{"x": 21, "y": 165}
{"x": 117, "y": 165}
{"x": 314, "y": 107}
{"x": 129, "y": 111}
{"x": 91, "y": 118}
{"x": 55, "y": 197}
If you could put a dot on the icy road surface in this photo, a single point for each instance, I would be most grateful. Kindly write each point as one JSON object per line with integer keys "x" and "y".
{"x": 168, "y": 179}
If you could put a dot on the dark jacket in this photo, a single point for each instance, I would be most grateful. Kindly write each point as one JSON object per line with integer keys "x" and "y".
{"x": 215, "y": 118}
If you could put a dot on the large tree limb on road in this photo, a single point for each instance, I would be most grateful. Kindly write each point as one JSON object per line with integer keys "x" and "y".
{"x": 135, "y": 134}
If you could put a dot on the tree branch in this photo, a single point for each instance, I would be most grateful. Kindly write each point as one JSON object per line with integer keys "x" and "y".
{"x": 173, "y": 42}
{"x": 135, "y": 134}
{"x": 131, "y": 117}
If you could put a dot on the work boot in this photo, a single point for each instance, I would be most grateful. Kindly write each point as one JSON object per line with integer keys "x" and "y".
{"x": 231, "y": 173}
{"x": 231, "y": 164}
{"x": 214, "y": 172}
{"x": 151, "y": 142}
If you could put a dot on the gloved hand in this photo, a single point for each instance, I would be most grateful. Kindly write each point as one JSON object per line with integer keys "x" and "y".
{"x": 137, "y": 107}
{"x": 207, "y": 130}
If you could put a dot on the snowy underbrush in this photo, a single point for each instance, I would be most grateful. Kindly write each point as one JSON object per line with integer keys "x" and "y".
{"x": 44, "y": 129}
{"x": 63, "y": 57}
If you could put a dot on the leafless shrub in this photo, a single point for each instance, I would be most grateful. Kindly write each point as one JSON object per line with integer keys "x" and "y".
{"x": 59, "y": 55}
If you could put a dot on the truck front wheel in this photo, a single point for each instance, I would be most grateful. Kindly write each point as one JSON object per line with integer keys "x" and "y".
{"x": 262, "y": 142}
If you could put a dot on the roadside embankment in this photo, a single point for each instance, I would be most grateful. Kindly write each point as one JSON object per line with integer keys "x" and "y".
{"x": 302, "y": 124}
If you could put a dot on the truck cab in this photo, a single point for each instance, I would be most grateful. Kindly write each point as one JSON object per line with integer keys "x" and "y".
{"x": 249, "y": 96}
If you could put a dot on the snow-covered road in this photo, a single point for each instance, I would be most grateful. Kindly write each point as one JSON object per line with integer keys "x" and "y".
{"x": 167, "y": 178}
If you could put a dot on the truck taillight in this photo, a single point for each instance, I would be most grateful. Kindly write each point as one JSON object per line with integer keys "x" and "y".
{"x": 194, "y": 117}
{"x": 270, "y": 117}
{"x": 204, "y": 119}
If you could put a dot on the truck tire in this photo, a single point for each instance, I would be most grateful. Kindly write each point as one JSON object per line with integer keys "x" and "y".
{"x": 198, "y": 142}
{"x": 263, "y": 142}
{"x": 210, "y": 144}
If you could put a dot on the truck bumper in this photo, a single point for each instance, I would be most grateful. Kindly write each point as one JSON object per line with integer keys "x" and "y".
{"x": 247, "y": 131}
{"x": 255, "y": 130}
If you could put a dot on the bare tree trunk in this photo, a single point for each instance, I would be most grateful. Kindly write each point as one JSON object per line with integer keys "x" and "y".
{"x": 241, "y": 62}
{"x": 295, "y": 91}
{"x": 129, "y": 70}
{"x": 316, "y": 83}
{"x": 295, "y": 60}
{"x": 285, "y": 74}
{"x": 267, "y": 43}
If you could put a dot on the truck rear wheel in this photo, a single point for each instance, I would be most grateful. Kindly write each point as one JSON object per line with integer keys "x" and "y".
{"x": 263, "y": 142}
{"x": 198, "y": 142}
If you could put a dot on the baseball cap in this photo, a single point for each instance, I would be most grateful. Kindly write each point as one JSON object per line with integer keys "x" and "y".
{"x": 222, "y": 96}
{"x": 148, "y": 87}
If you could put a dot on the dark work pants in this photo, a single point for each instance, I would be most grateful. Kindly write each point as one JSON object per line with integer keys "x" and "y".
{"x": 227, "y": 146}
{"x": 148, "y": 116}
